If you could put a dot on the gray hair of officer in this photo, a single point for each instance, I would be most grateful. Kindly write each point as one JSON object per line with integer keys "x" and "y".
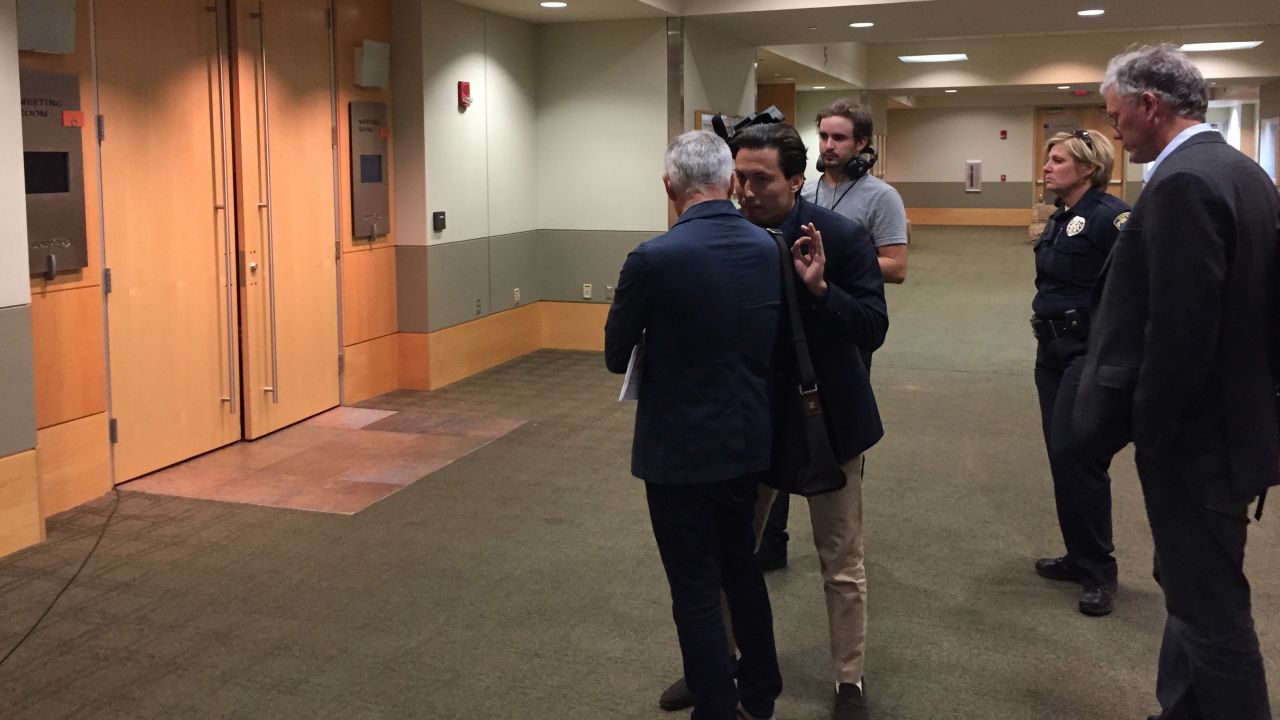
{"x": 699, "y": 162}
{"x": 1090, "y": 148}
{"x": 1165, "y": 72}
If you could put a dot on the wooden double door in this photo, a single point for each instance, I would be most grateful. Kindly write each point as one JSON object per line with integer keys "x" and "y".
{"x": 218, "y": 215}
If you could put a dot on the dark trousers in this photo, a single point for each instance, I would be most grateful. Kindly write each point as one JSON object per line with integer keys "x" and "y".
{"x": 1081, "y": 485}
{"x": 1210, "y": 665}
{"x": 706, "y": 541}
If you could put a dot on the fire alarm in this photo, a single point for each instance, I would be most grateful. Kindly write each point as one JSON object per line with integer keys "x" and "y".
{"x": 1004, "y": 134}
{"x": 1002, "y": 177}
{"x": 464, "y": 94}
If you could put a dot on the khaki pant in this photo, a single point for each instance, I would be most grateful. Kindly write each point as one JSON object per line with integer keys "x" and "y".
{"x": 837, "y": 534}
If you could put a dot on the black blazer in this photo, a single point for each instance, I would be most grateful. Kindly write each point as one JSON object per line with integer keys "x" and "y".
{"x": 845, "y": 326}
{"x": 706, "y": 296}
{"x": 1183, "y": 337}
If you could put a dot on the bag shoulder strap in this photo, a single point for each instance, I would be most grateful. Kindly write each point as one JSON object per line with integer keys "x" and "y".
{"x": 798, "y": 340}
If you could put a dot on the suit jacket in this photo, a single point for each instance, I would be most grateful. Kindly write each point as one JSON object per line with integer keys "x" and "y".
{"x": 843, "y": 327}
{"x": 706, "y": 296}
{"x": 1183, "y": 337}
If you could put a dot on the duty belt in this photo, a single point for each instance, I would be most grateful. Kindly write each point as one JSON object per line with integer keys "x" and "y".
{"x": 1052, "y": 328}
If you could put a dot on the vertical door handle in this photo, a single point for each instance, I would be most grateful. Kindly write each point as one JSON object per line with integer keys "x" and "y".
{"x": 225, "y": 207}
{"x": 265, "y": 203}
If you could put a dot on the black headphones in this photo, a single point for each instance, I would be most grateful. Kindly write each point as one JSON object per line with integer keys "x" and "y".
{"x": 859, "y": 166}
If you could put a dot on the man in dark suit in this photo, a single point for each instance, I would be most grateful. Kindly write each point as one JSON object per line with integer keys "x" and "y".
{"x": 1181, "y": 361}
{"x": 842, "y": 308}
{"x": 704, "y": 299}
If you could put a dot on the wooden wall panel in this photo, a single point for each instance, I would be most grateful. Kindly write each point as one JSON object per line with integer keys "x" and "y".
{"x": 368, "y": 294}
{"x": 464, "y": 350}
{"x": 573, "y": 326}
{"x": 415, "y": 361}
{"x": 21, "y": 524}
{"x": 75, "y": 463}
{"x": 372, "y": 369}
{"x": 1005, "y": 217}
{"x": 67, "y": 350}
{"x": 781, "y": 94}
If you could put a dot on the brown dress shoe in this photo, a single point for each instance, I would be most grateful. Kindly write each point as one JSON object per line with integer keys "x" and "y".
{"x": 676, "y": 697}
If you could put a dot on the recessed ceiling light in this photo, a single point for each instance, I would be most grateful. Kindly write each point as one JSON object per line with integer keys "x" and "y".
{"x": 944, "y": 57}
{"x": 1064, "y": 87}
{"x": 951, "y": 91}
{"x": 554, "y": 4}
{"x": 862, "y": 24}
{"x": 1090, "y": 13}
{"x": 813, "y": 27}
{"x": 1213, "y": 46}
{"x": 819, "y": 87}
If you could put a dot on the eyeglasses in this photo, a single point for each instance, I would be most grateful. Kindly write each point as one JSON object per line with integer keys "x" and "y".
{"x": 1085, "y": 136}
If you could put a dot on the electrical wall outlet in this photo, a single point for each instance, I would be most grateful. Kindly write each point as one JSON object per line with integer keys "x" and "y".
{"x": 608, "y": 292}
{"x": 586, "y": 291}
{"x": 515, "y": 296}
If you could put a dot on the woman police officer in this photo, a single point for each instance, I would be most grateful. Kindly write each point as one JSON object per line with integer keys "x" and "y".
{"x": 1069, "y": 257}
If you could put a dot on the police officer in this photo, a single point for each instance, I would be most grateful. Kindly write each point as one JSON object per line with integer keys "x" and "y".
{"x": 1069, "y": 257}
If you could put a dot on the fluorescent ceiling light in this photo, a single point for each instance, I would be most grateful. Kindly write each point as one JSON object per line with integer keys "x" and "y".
{"x": 1090, "y": 13}
{"x": 1064, "y": 87}
{"x": 945, "y": 57}
{"x": 951, "y": 91}
{"x": 862, "y": 24}
{"x": 1214, "y": 46}
{"x": 554, "y": 4}
{"x": 819, "y": 87}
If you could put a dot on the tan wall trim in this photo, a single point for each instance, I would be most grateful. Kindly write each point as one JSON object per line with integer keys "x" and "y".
{"x": 1006, "y": 217}
{"x": 74, "y": 460}
{"x": 573, "y": 326}
{"x": 21, "y": 524}
{"x": 464, "y": 350}
{"x": 371, "y": 368}
{"x": 415, "y": 361}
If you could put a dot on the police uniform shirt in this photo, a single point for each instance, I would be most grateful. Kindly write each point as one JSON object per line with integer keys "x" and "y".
{"x": 1072, "y": 249}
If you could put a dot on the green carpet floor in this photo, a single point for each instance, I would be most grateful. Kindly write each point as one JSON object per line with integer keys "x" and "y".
{"x": 522, "y": 581}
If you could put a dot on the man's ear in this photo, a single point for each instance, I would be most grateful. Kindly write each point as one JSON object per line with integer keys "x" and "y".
{"x": 733, "y": 186}
{"x": 671, "y": 193}
{"x": 796, "y": 182}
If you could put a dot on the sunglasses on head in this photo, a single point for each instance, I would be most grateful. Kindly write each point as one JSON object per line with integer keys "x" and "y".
{"x": 1085, "y": 136}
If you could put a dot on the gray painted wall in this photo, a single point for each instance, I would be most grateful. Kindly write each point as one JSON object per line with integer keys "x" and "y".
{"x": 17, "y": 383}
{"x": 952, "y": 195}
{"x": 438, "y": 286}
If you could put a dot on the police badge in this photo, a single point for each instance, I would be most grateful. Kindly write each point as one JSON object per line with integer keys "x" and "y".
{"x": 1075, "y": 226}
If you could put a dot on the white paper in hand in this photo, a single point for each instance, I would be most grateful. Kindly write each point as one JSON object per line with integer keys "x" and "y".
{"x": 631, "y": 381}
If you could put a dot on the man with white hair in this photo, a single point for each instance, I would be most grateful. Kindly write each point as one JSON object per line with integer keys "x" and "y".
{"x": 704, "y": 300}
{"x": 1182, "y": 362}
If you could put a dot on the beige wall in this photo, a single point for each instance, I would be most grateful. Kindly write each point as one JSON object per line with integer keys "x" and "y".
{"x": 932, "y": 145}
{"x": 14, "y": 287}
{"x": 511, "y": 81}
{"x": 719, "y": 73}
{"x": 407, "y": 122}
{"x": 602, "y": 125}
{"x": 846, "y": 61}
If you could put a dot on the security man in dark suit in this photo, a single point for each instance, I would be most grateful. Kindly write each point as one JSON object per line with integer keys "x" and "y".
{"x": 1069, "y": 255}
{"x": 705, "y": 301}
{"x": 1182, "y": 360}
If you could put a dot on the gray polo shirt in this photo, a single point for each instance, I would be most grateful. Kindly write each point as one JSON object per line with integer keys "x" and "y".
{"x": 868, "y": 200}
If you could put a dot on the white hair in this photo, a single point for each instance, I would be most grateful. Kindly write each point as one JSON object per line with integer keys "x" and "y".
{"x": 699, "y": 161}
{"x": 1164, "y": 71}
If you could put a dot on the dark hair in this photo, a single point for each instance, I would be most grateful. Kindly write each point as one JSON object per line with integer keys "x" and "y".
{"x": 792, "y": 155}
{"x": 854, "y": 113}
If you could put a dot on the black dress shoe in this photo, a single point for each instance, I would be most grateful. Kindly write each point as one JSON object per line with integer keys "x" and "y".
{"x": 1097, "y": 600}
{"x": 851, "y": 704}
{"x": 676, "y": 697}
{"x": 1057, "y": 569}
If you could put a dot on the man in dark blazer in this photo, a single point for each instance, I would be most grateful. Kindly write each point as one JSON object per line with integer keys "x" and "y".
{"x": 703, "y": 300}
{"x": 1182, "y": 362}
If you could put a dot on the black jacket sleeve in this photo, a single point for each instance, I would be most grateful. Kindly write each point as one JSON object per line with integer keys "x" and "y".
{"x": 632, "y": 305}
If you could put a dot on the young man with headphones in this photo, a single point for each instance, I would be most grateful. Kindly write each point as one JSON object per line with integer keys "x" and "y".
{"x": 848, "y": 187}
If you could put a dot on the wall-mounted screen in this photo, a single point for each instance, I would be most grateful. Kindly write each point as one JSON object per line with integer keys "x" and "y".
{"x": 47, "y": 172}
{"x": 370, "y": 168}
